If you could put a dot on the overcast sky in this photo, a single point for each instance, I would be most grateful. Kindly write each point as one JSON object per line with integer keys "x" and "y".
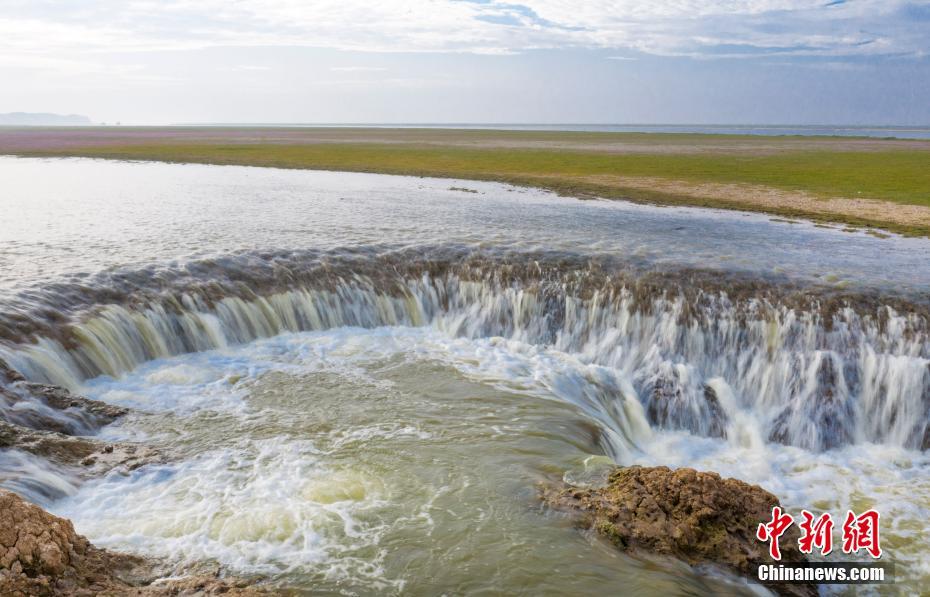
{"x": 541, "y": 61}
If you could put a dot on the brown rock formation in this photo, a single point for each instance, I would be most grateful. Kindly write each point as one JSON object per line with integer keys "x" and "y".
{"x": 694, "y": 516}
{"x": 201, "y": 585}
{"x": 41, "y": 554}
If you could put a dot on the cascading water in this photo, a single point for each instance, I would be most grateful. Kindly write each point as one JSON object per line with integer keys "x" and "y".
{"x": 808, "y": 379}
{"x": 315, "y": 409}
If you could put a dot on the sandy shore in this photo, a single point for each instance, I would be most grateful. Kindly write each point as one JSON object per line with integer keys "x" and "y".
{"x": 776, "y": 201}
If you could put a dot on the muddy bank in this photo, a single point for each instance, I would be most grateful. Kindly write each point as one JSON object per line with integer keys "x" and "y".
{"x": 755, "y": 197}
{"x": 697, "y": 517}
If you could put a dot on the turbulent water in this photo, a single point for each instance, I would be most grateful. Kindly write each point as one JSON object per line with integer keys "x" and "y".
{"x": 360, "y": 381}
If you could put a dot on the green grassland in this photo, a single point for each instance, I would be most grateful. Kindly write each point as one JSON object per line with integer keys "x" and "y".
{"x": 899, "y": 174}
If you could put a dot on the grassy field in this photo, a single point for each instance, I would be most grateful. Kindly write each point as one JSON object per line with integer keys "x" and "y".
{"x": 862, "y": 182}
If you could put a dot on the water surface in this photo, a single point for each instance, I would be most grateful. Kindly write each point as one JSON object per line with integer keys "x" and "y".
{"x": 362, "y": 381}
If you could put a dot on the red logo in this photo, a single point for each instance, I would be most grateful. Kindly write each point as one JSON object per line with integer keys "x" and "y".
{"x": 816, "y": 533}
{"x": 859, "y": 532}
{"x": 774, "y": 529}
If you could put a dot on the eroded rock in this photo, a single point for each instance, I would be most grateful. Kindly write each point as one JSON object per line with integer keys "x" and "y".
{"x": 42, "y": 555}
{"x": 91, "y": 457}
{"x": 697, "y": 517}
{"x": 53, "y": 408}
{"x": 201, "y": 585}
{"x": 8, "y": 374}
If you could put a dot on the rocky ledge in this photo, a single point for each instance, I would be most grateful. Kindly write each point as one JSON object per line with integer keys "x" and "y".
{"x": 51, "y": 423}
{"x": 693, "y": 516}
{"x": 86, "y": 456}
{"x": 41, "y": 554}
{"x": 53, "y": 408}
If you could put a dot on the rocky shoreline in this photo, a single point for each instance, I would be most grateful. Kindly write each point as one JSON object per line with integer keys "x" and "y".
{"x": 41, "y": 554}
{"x": 51, "y": 423}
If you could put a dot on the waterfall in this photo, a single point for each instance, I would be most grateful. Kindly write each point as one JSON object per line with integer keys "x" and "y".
{"x": 701, "y": 362}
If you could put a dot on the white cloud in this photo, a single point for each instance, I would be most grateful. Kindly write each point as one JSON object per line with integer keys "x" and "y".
{"x": 358, "y": 69}
{"x": 712, "y": 28}
{"x": 250, "y": 67}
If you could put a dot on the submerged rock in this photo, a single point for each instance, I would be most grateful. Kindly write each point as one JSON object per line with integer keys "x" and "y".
{"x": 672, "y": 403}
{"x": 41, "y": 554}
{"x": 921, "y": 436}
{"x": 53, "y": 408}
{"x": 50, "y": 423}
{"x": 8, "y": 374}
{"x": 202, "y": 585}
{"x": 697, "y": 517}
{"x": 92, "y": 457}
{"x": 823, "y": 420}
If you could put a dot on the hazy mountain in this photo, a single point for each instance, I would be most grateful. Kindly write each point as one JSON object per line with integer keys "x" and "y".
{"x": 42, "y": 119}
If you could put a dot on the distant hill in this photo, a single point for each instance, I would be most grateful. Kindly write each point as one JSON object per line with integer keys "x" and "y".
{"x": 42, "y": 119}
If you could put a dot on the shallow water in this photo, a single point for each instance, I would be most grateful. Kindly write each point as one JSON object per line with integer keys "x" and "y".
{"x": 361, "y": 381}
{"x": 67, "y": 220}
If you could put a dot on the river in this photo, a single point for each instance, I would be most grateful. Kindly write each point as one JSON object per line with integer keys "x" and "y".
{"x": 362, "y": 381}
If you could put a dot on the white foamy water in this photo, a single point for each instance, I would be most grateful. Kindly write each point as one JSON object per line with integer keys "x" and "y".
{"x": 356, "y": 383}
{"x": 275, "y": 494}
